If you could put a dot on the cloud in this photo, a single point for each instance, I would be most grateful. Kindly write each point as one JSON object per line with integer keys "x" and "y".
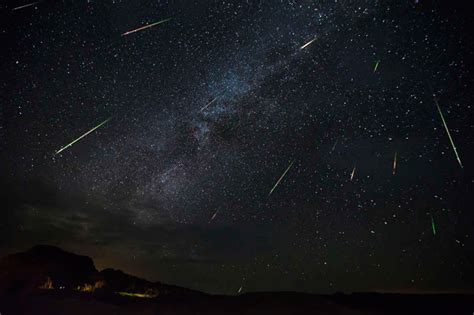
{"x": 38, "y": 214}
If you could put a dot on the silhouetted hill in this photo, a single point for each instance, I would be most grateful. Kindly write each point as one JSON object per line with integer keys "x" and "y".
{"x": 118, "y": 281}
{"x": 43, "y": 265}
{"x": 49, "y": 267}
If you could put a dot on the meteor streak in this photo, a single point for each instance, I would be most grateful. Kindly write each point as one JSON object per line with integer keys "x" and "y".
{"x": 279, "y": 180}
{"x": 240, "y": 289}
{"x": 207, "y": 105}
{"x": 334, "y": 146}
{"x": 308, "y": 43}
{"x": 353, "y": 172}
{"x": 26, "y": 5}
{"x": 394, "y": 163}
{"x": 376, "y": 65}
{"x": 213, "y": 216}
{"x": 90, "y": 131}
{"x": 449, "y": 134}
{"x": 433, "y": 227}
{"x": 145, "y": 27}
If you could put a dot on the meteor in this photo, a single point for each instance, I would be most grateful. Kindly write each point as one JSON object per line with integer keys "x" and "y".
{"x": 433, "y": 227}
{"x": 307, "y": 44}
{"x": 90, "y": 131}
{"x": 207, "y": 105}
{"x": 26, "y": 5}
{"x": 279, "y": 180}
{"x": 353, "y": 172}
{"x": 449, "y": 134}
{"x": 334, "y": 146}
{"x": 145, "y": 27}
{"x": 394, "y": 164}
{"x": 240, "y": 289}
{"x": 376, "y": 65}
{"x": 213, "y": 216}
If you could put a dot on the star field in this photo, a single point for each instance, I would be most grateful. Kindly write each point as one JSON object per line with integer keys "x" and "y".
{"x": 208, "y": 109}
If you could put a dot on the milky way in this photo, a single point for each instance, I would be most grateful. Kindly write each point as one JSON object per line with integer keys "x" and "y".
{"x": 209, "y": 109}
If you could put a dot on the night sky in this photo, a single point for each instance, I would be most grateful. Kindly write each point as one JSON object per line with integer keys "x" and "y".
{"x": 209, "y": 109}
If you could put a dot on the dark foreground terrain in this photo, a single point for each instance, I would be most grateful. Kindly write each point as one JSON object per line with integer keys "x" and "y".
{"x": 47, "y": 280}
{"x": 55, "y": 302}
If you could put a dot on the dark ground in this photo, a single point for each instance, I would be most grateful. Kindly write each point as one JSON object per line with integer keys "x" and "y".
{"x": 56, "y": 302}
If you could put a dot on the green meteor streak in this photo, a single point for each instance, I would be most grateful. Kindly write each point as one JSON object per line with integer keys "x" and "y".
{"x": 449, "y": 134}
{"x": 376, "y": 65}
{"x": 433, "y": 225}
{"x": 90, "y": 131}
{"x": 279, "y": 180}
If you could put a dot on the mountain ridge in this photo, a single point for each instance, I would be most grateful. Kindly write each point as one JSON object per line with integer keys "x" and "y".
{"x": 50, "y": 267}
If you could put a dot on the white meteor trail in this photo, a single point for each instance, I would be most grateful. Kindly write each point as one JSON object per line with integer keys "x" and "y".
{"x": 213, "y": 216}
{"x": 207, "y": 105}
{"x": 449, "y": 134}
{"x": 353, "y": 172}
{"x": 26, "y": 5}
{"x": 279, "y": 180}
{"x": 145, "y": 27}
{"x": 240, "y": 289}
{"x": 90, "y": 131}
{"x": 308, "y": 43}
